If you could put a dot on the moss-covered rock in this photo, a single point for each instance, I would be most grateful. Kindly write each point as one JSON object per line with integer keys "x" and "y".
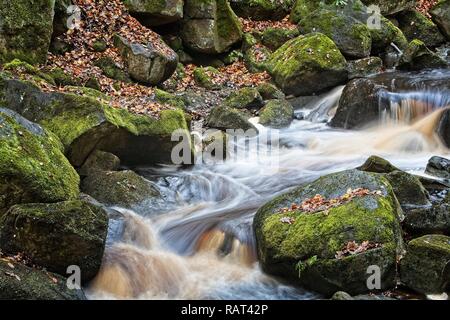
{"x": 111, "y": 69}
{"x": 417, "y": 57}
{"x": 24, "y": 283}
{"x": 245, "y": 98}
{"x": 416, "y": 26}
{"x": 304, "y": 250}
{"x": 425, "y": 267}
{"x": 155, "y": 12}
{"x": 389, "y": 7}
{"x": 122, "y": 188}
{"x": 262, "y": 9}
{"x": 273, "y": 38}
{"x": 276, "y": 114}
{"x": 86, "y": 123}
{"x": 387, "y": 33}
{"x": 204, "y": 77}
{"x": 429, "y": 220}
{"x": 440, "y": 14}
{"x": 303, "y": 8}
{"x": 256, "y": 58}
{"x": 377, "y": 165}
{"x": 57, "y": 235}
{"x": 25, "y": 30}
{"x": 351, "y": 36}
{"x": 61, "y": 78}
{"x": 210, "y": 26}
{"x": 32, "y": 165}
{"x": 269, "y": 91}
{"x": 228, "y": 118}
{"x": 364, "y": 67}
{"x": 100, "y": 161}
{"x": 307, "y": 64}
{"x": 99, "y": 46}
{"x": 408, "y": 189}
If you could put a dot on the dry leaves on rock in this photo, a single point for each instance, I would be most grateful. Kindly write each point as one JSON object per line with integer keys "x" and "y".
{"x": 353, "y": 247}
{"x": 249, "y": 25}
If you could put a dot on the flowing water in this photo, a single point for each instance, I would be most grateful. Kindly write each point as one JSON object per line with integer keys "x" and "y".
{"x": 197, "y": 242}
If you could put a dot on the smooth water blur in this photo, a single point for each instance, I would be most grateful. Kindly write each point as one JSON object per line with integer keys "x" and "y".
{"x": 198, "y": 242}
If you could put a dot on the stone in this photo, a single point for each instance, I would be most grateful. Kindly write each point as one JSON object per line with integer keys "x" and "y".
{"x": 438, "y": 167}
{"x": 417, "y": 26}
{"x": 440, "y": 14}
{"x": 262, "y": 9}
{"x": 224, "y": 118}
{"x": 245, "y": 98}
{"x": 365, "y": 67}
{"x": 276, "y": 114}
{"x": 155, "y": 12}
{"x": 417, "y": 57}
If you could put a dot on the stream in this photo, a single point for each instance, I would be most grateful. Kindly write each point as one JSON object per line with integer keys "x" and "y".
{"x": 197, "y": 242}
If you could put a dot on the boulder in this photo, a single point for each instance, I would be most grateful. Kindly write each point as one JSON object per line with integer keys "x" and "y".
{"x": 443, "y": 128}
{"x": 111, "y": 69}
{"x": 85, "y": 123}
{"x": 268, "y": 91}
{"x": 32, "y": 164}
{"x": 155, "y": 13}
{"x": 438, "y": 167}
{"x": 440, "y": 14}
{"x": 262, "y": 9}
{"x": 276, "y": 114}
{"x": 378, "y": 165}
{"x": 387, "y": 35}
{"x": 256, "y": 58}
{"x": 417, "y": 57}
{"x": 307, "y": 64}
{"x": 408, "y": 189}
{"x": 26, "y": 30}
{"x": 364, "y": 67}
{"x": 21, "y": 282}
{"x": 223, "y": 118}
{"x": 273, "y": 38}
{"x": 305, "y": 247}
{"x": 57, "y": 235}
{"x": 429, "y": 220}
{"x": 425, "y": 267}
{"x": 150, "y": 64}
{"x": 389, "y": 7}
{"x": 206, "y": 77}
{"x": 417, "y": 26}
{"x": 100, "y": 161}
{"x": 121, "y": 188}
{"x": 210, "y": 26}
{"x": 245, "y": 98}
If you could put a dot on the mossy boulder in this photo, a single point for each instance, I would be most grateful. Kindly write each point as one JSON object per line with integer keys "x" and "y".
{"x": 425, "y": 267}
{"x": 269, "y": 91}
{"x": 305, "y": 250}
{"x": 223, "y": 118}
{"x": 100, "y": 161}
{"x": 440, "y": 14}
{"x": 417, "y": 26}
{"x": 25, "y": 283}
{"x": 256, "y": 58}
{"x": 408, "y": 189}
{"x": 351, "y": 36}
{"x": 155, "y": 12}
{"x": 429, "y": 220}
{"x": 262, "y": 9}
{"x": 389, "y": 7}
{"x": 205, "y": 77}
{"x": 417, "y": 57}
{"x": 438, "y": 167}
{"x": 25, "y": 30}
{"x": 276, "y": 114}
{"x": 245, "y": 98}
{"x": 61, "y": 78}
{"x": 210, "y": 26}
{"x": 85, "y": 123}
{"x": 121, "y": 188}
{"x": 32, "y": 164}
{"x": 273, "y": 38}
{"x": 362, "y": 68}
{"x": 385, "y": 35}
{"x": 57, "y": 235}
{"x": 303, "y": 8}
{"x": 377, "y": 165}
{"x": 111, "y": 69}
{"x": 307, "y": 64}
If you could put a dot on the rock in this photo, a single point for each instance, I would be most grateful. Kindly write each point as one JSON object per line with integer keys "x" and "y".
{"x": 351, "y": 36}
{"x": 86, "y": 123}
{"x": 378, "y": 165}
{"x": 62, "y": 14}
{"x": 443, "y": 128}
{"x": 228, "y": 118}
{"x": 210, "y": 26}
{"x": 150, "y": 64}
{"x": 100, "y": 161}
{"x": 440, "y": 14}
{"x": 121, "y": 188}
{"x": 32, "y": 165}
{"x": 387, "y": 34}
{"x": 276, "y": 114}
{"x": 417, "y": 57}
{"x": 57, "y": 235}
{"x": 304, "y": 251}
{"x": 307, "y": 64}
{"x": 111, "y": 69}
{"x": 425, "y": 268}
{"x": 389, "y": 7}
{"x": 25, "y": 283}
{"x": 61, "y": 78}
{"x": 408, "y": 189}
{"x": 438, "y": 167}
{"x": 204, "y": 77}
{"x": 269, "y": 91}
{"x": 25, "y": 30}
{"x": 273, "y": 38}
{"x": 429, "y": 220}
{"x": 416, "y": 26}
{"x": 262, "y": 9}
{"x": 256, "y": 58}
{"x": 245, "y": 98}
{"x": 155, "y": 13}
{"x": 364, "y": 67}
{"x": 341, "y": 295}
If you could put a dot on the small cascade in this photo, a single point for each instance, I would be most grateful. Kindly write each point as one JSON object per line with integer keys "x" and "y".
{"x": 323, "y": 109}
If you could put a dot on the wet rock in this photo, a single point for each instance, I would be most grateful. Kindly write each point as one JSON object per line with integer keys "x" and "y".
{"x": 262, "y": 9}
{"x": 425, "y": 267}
{"x": 364, "y": 67}
{"x": 307, "y": 64}
{"x": 443, "y": 128}
{"x": 210, "y": 26}
{"x": 100, "y": 161}
{"x": 417, "y": 57}
{"x": 25, "y": 283}
{"x": 155, "y": 13}
{"x": 273, "y": 38}
{"x": 408, "y": 189}
{"x": 32, "y": 164}
{"x": 389, "y": 7}
{"x": 304, "y": 251}
{"x": 57, "y": 235}
{"x": 150, "y": 64}
{"x": 122, "y": 188}
{"x": 438, "y": 167}
{"x": 276, "y": 114}
{"x": 387, "y": 35}
{"x": 430, "y": 220}
{"x": 228, "y": 118}
{"x": 245, "y": 98}
{"x": 25, "y": 30}
{"x": 378, "y": 165}
{"x": 440, "y": 14}
{"x": 416, "y": 26}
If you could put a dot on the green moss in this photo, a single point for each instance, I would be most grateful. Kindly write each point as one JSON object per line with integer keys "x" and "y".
{"x": 228, "y": 26}
{"x": 111, "y": 70}
{"x": 169, "y": 98}
{"x": 204, "y": 77}
{"x": 276, "y": 114}
{"x": 244, "y": 98}
{"x": 417, "y": 26}
{"x": 99, "y": 46}
{"x": 61, "y": 78}
{"x": 17, "y": 65}
{"x": 273, "y": 38}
